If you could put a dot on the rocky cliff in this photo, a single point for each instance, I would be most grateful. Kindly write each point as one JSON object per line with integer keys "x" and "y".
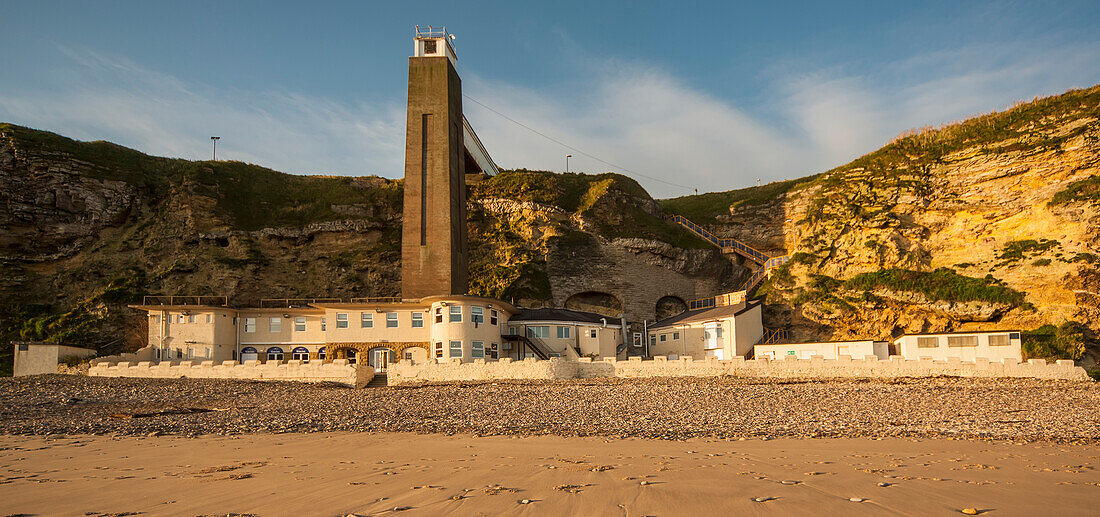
{"x": 87, "y": 227}
{"x": 992, "y": 223}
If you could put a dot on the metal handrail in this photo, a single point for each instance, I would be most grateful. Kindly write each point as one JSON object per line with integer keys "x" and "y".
{"x": 218, "y": 301}
{"x": 274, "y": 303}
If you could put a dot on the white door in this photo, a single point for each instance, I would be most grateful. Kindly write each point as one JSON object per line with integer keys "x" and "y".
{"x": 381, "y": 357}
{"x": 710, "y": 336}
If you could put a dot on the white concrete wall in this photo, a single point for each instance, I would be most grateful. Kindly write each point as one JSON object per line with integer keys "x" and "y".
{"x": 43, "y": 358}
{"x": 338, "y": 371}
{"x": 406, "y": 372}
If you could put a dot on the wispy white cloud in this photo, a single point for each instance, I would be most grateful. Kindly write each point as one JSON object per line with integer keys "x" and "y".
{"x": 114, "y": 99}
{"x": 632, "y": 114}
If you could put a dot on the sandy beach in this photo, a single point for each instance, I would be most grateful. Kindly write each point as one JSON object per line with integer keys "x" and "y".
{"x": 379, "y": 474}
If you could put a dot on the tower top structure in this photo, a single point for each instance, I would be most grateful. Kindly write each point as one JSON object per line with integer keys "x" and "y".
{"x": 434, "y": 42}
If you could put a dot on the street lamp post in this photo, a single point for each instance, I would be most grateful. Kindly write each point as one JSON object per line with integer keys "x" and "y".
{"x": 215, "y": 139}
{"x": 567, "y": 157}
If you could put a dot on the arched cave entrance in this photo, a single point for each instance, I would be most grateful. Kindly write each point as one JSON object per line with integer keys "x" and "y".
{"x": 669, "y": 306}
{"x": 597, "y": 302}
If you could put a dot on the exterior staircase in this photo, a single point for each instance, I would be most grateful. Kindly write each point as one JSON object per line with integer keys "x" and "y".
{"x": 767, "y": 262}
{"x": 379, "y": 381}
{"x": 533, "y": 344}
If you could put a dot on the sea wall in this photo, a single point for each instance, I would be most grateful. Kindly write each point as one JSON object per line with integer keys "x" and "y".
{"x": 338, "y": 371}
{"x": 406, "y": 372}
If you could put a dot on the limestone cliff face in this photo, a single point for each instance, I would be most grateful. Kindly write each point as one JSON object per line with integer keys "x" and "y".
{"x": 991, "y": 223}
{"x": 88, "y": 227}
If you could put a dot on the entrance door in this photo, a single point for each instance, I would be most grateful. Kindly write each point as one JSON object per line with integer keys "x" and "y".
{"x": 710, "y": 337}
{"x": 380, "y": 359}
{"x": 350, "y": 354}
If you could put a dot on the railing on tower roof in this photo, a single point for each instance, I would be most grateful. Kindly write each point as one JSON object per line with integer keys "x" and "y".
{"x": 431, "y": 32}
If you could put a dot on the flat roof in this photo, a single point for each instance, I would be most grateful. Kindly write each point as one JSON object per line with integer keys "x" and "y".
{"x": 957, "y": 333}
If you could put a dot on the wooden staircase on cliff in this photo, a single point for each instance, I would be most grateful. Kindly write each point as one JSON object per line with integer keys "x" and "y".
{"x": 767, "y": 262}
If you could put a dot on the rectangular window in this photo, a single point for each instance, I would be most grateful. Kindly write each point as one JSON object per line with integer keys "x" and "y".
{"x": 928, "y": 342}
{"x": 664, "y": 337}
{"x": 494, "y": 350}
{"x": 439, "y": 350}
{"x": 418, "y": 320}
{"x": 342, "y": 320}
{"x": 652, "y": 339}
{"x": 210, "y": 318}
{"x": 366, "y": 320}
{"x": 539, "y": 331}
{"x": 456, "y": 314}
{"x": 962, "y": 340}
{"x": 250, "y": 325}
{"x": 675, "y": 335}
{"x": 999, "y": 340}
{"x": 275, "y": 325}
{"x": 493, "y": 317}
{"x": 324, "y": 327}
{"x": 477, "y": 349}
{"x": 513, "y": 331}
{"x": 456, "y": 349}
{"x": 563, "y": 332}
{"x": 154, "y": 318}
{"x": 300, "y": 324}
{"x": 477, "y": 315}
{"x": 637, "y": 340}
{"x": 190, "y": 318}
{"x": 391, "y": 320}
{"x": 592, "y": 333}
{"x": 718, "y": 332}
{"x": 439, "y": 315}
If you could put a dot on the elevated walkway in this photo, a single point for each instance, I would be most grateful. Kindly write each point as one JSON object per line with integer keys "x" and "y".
{"x": 767, "y": 262}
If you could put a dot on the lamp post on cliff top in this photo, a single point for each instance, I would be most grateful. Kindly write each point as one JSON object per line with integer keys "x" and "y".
{"x": 215, "y": 139}
{"x": 567, "y": 157}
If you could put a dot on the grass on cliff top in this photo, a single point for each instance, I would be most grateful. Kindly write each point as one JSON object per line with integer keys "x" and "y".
{"x": 612, "y": 201}
{"x": 250, "y": 196}
{"x": 705, "y": 208}
{"x": 942, "y": 284}
{"x": 1030, "y": 123}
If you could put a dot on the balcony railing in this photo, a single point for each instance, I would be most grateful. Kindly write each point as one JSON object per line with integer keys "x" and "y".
{"x": 216, "y": 301}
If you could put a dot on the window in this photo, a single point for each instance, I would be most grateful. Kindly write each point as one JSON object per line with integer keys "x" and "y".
{"x": 418, "y": 320}
{"x": 190, "y": 318}
{"x": 456, "y": 314}
{"x": 718, "y": 332}
{"x": 637, "y": 340}
{"x": 275, "y": 325}
{"x": 928, "y": 342}
{"x": 439, "y": 315}
{"x": 342, "y": 321}
{"x": 366, "y": 320}
{"x": 563, "y": 332}
{"x": 154, "y": 318}
{"x": 477, "y": 349}
{"x": 274, "y": 354}
{"x": 675, "y": 335}
{"x": 539, "y": 331}
{"x": 439, "y": 349}
{"x": 477, "y": 315}
{"x": 391, "y": 320}
{"x": 300, "y": 354}
{"x": 300, "y": 324}
{"x": 210, "y": 318}
{"x": 999, "y": 340}
{"x": 493, "y": 317}
{"x": 250, "y": 325}
{"x": 513, "y": 331}
{"x": 456, "y": 349}
{"x": 962, "y": 340}
{"x": 190, "y": 353}
{"x": 652, "y": 339}
{"x": 592, "y": 333}
{"x": 179, "y": 319}
{"x": 321, "y": 351}
{"x": 323, "y": 325}
{"x": 664, "y": 337}
{"x": 493, "y": 350}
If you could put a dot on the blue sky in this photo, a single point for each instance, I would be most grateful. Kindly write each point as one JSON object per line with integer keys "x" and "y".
{"x": 707, "y": 95}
